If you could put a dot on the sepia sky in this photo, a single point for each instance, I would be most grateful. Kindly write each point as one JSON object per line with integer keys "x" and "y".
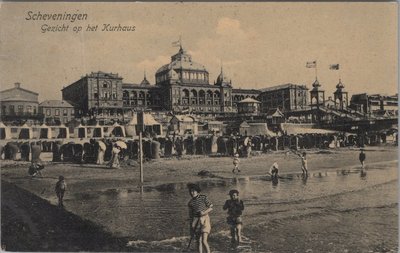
{"x": 259, "y": 44}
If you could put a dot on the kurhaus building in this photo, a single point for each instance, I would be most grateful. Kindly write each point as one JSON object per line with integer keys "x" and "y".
{"x": 181, "y": 86}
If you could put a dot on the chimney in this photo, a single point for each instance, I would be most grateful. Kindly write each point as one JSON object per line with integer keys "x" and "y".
{"x": 17, "y": 85}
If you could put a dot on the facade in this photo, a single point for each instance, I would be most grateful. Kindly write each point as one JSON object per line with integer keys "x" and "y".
{"x": 19, "y": 105}
{"x": 374, "y": 103}
{"x": 56, "y": 112}
{"x": 141, "y": 97}
{"x": 181, "y": 86}
{"x": 286, "y": 97}
{"x": 97, "y": 93}
{"x": 185, "y": 86}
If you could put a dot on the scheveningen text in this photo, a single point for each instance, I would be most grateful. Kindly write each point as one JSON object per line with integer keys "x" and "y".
{"x": 72, "y": 17}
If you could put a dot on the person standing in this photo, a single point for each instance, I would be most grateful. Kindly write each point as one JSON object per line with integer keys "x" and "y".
{"x": 235, "y": 208}
{"x": 200, "y": 225}
{"x": 304, "y": 166}
{"x": 273, "y": 170}
{"x": 236, "y": 162}
{"x": 362, "y": 158}
{"x": 101, "y": 148}
{"x": 61, "y": 187}
{"x": 114, "y": 162}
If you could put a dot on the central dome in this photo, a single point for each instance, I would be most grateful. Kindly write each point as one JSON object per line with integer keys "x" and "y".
{"x": 187, "y": 71}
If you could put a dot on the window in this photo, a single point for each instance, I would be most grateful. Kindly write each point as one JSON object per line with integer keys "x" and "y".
{"x": 65, "y": 112}
{"x": 72, "y": 111}
{"x": 34, "y": 110}
{"x": 57, "y": 112}
{"x": 96, "y": 95}
{"x": 48, "y": 112}
{"x": 29, "y": 108}
{"x": 65, "y": 120}
{"x": 105, "y": 85}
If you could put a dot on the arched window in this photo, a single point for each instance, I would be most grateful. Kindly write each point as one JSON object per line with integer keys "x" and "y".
{"x": 202, "y": 97}
{"x": 193, "y": 97}
{"x": 125, "y": 94}
{"x": 185, "y": 97}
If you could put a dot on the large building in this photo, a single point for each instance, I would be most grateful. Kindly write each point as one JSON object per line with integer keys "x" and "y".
{"x": 97, "y": 93}
{"x": 285, "y": 97}
{"x": 181, "y": 86}
{"x": 19, "y": 105}
{"x": 374, "y": 103}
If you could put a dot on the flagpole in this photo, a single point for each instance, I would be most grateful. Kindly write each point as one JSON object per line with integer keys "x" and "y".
{"x": 316, "y": 71}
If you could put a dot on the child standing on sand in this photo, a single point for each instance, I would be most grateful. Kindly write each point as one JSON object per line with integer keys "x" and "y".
{"x": 61, "y": 187}
{"x": 303, "y": 157}
{"x": 304, "y": 163}
{"x": 235, "y": 208}
{"x": 362, "y": 157}
{"x": 236, "y": 162}
{"x": 200, "y": 225}
{"x": 273, "y": 170}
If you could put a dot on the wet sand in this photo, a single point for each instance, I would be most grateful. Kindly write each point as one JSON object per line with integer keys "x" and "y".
{"x": 303, "y": 234}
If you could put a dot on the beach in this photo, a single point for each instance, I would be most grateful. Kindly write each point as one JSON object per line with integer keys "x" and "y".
{"x": 336, "y": 209}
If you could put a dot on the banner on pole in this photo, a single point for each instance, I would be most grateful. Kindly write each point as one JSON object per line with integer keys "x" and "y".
{"x": 334, "y": 67}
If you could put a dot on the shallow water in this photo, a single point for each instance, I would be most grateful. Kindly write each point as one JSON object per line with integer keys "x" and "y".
{"x": 155, "y": 218}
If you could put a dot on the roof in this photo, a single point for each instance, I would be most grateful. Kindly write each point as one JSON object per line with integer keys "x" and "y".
{"x": 304, "y": 129}
{"x": 246, "y": 91}
{"x": 19, "y": 88}
{"x": 18, "y": 98}
{"x": 182, "y": 60}
{"x": 184, "y": 118}
{"x": 138, "y": 86}
{"x": 145, "y": 82}
{"x": 284, "y": 86}
{"x": 238, "y": 124}
{"x": 275, "y": 113}
{"x": 56, "y": 103}
{"x": 249, "y": 100}
{"x": 148, "y": 120}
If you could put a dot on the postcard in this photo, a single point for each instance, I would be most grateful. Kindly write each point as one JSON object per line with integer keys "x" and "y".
{"x": 199, "y": 127}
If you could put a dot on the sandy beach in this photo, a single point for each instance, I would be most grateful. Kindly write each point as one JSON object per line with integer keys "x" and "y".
{"x": 29, "y": 208}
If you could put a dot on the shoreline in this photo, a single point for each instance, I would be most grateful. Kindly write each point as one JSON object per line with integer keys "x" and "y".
{"x": 37, "y": 195}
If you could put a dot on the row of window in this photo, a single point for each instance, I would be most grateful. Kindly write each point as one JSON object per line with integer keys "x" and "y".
{"x": 105, "y": 95}
{"x": 64, "y": 120}
{"x": 57, "y": 112}
{"x": 20, "y": 109}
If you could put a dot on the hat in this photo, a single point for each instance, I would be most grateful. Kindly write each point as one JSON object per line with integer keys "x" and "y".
{"x": 192, "y": 186}
{"x": 236, "y": 155}
{"x": 61, "y": 178}
{"x": 231, "y": 192}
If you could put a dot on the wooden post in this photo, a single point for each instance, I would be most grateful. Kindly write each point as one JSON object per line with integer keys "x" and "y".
{"x": 141, "y": 158}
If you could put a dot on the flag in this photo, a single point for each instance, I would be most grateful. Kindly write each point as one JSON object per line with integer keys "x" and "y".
{"x": 176, "y": 43}
{"x": 311, "y": 64}
{"x": 334, "y": 67}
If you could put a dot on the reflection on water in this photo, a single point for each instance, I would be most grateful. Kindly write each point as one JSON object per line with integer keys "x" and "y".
{"x": 156, "y": 217}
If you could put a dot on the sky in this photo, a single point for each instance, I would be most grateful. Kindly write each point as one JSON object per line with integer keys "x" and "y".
{"x": 258, "y": 45}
